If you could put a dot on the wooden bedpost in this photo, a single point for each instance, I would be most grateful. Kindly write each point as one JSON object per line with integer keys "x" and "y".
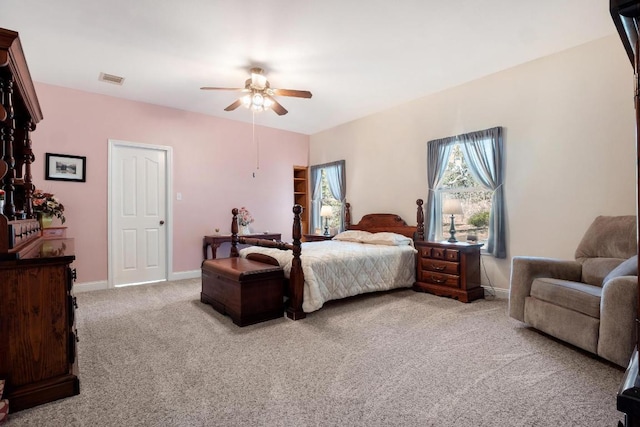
{"x": 420, "y": 218}
{"x": 296, "y": 277}
{"x": 234, "y": 234}
{"x": 347, "y": 216}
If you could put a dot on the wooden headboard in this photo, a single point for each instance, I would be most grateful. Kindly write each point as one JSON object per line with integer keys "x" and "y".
{"x": 375, "y": 223}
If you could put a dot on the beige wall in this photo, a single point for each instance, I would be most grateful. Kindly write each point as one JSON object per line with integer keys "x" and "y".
{"x": 568, "y": 140}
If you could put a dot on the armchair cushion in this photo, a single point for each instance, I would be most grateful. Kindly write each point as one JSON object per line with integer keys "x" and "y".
{"x": 627, "y": 268}
{"x": 594, "y": 270}
{"x": 575, "y": 296}
{"x": 609, "y": 237}
{"x": 525, "y": 269}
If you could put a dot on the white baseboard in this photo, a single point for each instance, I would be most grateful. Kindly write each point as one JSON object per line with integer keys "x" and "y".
{"x": 193, "y": 274}
{"x": 499, "y": 293}
{"x": 90, "y": 286}
{"x": 103, "y": 284}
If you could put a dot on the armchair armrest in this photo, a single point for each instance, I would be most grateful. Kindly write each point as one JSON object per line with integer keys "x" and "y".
{"x": 525, "y": 269}
{"x": 618, "y": 319}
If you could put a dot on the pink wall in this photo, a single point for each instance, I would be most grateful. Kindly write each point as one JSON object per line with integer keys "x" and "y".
{"x": 213, "y": 165}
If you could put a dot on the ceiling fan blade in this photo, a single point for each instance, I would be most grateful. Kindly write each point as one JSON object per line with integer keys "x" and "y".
{"x": 234, "y": 105}
{"x": 291, "y": 92}
{"x": 221, "y": 88}
{"x": 277, "y": 108}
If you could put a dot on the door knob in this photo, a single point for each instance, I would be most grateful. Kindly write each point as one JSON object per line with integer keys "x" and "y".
{"x": 161, "y": 222}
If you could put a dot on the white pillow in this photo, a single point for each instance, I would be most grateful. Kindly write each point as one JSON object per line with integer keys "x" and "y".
{"x": 352, "y": 236}
{"x": 389, "y": 239}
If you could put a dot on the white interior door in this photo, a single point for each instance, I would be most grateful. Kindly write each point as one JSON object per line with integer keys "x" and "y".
{"x": 138, "y": 236}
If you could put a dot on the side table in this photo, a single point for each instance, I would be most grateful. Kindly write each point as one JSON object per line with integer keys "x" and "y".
{"x": 215, "y": 241}
{"x": 449, "y": 269}
{"x": 316, "y": 237}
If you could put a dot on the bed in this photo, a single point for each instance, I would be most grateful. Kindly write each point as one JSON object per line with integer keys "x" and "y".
{"x": 375, "y": 254}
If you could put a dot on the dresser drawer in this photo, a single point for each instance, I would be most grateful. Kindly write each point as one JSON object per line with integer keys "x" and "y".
{"x": 425, "y": 252}
{"x": 439, "y": 279}
{"x": 441, "y": 253}
{"x": 451, "y": 255}
{"x": 437, "y": 253}
{"x": 439, "y": 266}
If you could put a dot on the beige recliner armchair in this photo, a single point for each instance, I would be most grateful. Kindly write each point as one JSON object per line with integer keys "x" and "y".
{"x": 590, "y": 302}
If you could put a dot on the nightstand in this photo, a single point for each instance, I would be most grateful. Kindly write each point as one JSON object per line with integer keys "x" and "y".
{"x": 449, "y": 269}
{"x": 316, "y": 237}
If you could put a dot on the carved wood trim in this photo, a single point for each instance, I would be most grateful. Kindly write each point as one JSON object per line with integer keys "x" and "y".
{"x": 13, "y": 55}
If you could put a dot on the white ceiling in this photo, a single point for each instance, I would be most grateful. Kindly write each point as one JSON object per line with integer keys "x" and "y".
{"x": 356, "y": 57}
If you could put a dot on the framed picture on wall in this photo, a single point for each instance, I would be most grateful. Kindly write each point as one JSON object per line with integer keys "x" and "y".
{"x": 64, "y": 167}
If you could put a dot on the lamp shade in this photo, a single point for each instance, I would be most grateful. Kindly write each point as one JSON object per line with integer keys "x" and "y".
{"x": 452, "y": 207}
{"x": 326, "y": 211}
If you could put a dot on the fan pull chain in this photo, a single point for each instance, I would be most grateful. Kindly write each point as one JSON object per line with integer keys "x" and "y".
{"x": 256, "y": 142}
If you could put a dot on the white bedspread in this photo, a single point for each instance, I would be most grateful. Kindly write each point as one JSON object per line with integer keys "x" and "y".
{"x": 334, "y": 269}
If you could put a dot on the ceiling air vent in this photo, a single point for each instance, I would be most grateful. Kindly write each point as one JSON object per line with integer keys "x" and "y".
{"x": 110, "y": 78}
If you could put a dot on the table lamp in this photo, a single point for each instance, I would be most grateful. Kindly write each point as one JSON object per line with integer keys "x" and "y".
{"x": 326, "y": 212}
{"x": 452, "y": 207}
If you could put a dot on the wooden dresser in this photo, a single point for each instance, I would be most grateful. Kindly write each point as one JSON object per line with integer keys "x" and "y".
{"x": 37, "y": 307}
{"x": 449, "y": 269}
{"x": 37, "y": 325}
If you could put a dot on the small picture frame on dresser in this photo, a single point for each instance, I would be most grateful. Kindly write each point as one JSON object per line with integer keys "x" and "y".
{"x": 65, "y": 167}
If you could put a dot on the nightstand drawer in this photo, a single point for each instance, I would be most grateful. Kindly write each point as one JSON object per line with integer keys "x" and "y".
{"x": 425, "y": 252}
{"x": 451, "y": 255}
{"x": 440, "y": 266}
{"x": 440, "y": 279}
{"x": 440, "y": 253}
{"x": 437, "y": 253}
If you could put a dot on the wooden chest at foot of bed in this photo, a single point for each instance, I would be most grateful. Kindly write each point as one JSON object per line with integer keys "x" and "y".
{"x": 248, "y": 291}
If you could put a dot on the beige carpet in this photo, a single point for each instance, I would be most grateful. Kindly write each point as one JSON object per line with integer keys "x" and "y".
{"x": 153, "y": 355}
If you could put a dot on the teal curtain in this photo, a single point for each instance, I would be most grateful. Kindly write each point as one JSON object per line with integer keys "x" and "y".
{"x": 316, "y": 198}
{"x": 438, "y": 152}
{"x": 337, "y": 184}
{"x": 483, "y": 153}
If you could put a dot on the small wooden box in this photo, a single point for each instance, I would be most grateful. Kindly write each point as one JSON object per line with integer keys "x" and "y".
{"x": 55, "y": 232}
{"x": 246, "y": 290}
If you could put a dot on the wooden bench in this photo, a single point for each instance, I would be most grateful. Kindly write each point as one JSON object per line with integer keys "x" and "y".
{"x": 248, "y": 291}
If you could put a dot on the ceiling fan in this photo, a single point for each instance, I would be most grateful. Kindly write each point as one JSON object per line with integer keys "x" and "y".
{"x": 259, "y": 95}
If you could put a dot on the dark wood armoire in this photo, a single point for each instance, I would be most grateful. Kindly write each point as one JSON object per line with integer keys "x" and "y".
{"x": 626, "y": 16}
{"x": 37, "y": 317}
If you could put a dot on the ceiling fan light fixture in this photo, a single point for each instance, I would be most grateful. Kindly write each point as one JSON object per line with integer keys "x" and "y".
{"x": 257, "y": 99}
{"x": 258, "y": 94}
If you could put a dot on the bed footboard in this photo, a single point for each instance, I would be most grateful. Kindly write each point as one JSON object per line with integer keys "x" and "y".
{"x": 296, "y": 277}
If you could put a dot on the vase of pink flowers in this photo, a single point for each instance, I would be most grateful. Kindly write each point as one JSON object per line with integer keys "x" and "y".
{"x": 244, "y": 219}
{"x": 46, "y": 206}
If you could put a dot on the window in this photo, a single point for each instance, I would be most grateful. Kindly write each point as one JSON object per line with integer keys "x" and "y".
{"x": 328, "y": 187}
{"x": 327, "y": 199}
{"x": 468, "y": 168}
{"x": 458, "y": 183}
